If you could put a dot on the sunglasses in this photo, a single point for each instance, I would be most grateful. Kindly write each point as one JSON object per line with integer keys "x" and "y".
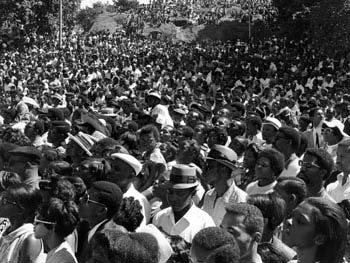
{"x": 308, "y": 165}
{"x": 85, "y": 199}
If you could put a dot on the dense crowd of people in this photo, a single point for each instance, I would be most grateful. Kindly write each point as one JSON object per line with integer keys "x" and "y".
{"x": 205, "y": 11}
{"x": 135, "y": 150}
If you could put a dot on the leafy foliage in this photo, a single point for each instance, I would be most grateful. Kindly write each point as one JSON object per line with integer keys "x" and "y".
{"x": 87, "y": 16}
{"x": 37, "y": 15}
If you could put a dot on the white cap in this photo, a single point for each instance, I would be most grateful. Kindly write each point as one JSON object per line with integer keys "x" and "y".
{"x": 130, "y": 160}
{"x": 273, "y": 121}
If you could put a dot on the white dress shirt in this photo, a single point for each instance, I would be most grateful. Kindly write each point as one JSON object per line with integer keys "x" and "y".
{"x": 338, "y": 191}
{"x": 215, "y": 206}
{"x": 254, "y": 188}
{"x": 187, "y": 227}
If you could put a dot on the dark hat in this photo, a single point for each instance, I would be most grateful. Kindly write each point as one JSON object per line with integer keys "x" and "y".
{"x": 61, "y": 126}
{"x": 183, "y": 176}
{"x": 108, "y": 194}
{"x": 224, "y": 155}
{"x": 28, "y": 151}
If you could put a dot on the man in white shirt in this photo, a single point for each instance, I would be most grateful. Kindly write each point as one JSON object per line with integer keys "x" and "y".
{"x": 123, "y": 170}
{"x": 182, "y": 218}
{"x": 220, "y": 164}
{"x": 340, "y": 189}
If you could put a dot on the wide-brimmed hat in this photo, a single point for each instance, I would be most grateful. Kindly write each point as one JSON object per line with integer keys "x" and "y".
{"x": 130, "y": 160}
{"x": 224, "y": 155}
{"x": 183, "y": 176}
{"x": 85, "y": 141}
{"x": 335, "y": 124}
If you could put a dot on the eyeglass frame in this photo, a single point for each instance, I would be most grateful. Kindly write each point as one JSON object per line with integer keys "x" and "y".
{"x": 308, "y": 165}
{"x": 88, "y": 200}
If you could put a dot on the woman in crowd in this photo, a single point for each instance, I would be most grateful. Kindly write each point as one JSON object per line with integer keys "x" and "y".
{"x": 18, "y": 244}
{"x": 269, "y": 165}
{"x": 318, "y": 231}
{"x": 56, "y": 220}
{"x": 249, "y": 160}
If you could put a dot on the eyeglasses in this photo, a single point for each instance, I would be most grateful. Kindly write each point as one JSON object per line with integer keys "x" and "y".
{"x": 38, "y": 221}
{"x": 308, "y": 165}
{"x": 86, "y": 199}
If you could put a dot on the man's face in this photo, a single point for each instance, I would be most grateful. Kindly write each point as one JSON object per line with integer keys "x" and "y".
{"x": 90, "y": 209}
{"x": 343, "y": 155}
{"x": 223, "y": 122}
{"x": 235, "y": 225}
{"x": 251, "y": 128}
{"x": 120, "y": 173}
{"x": 179, "y": 199}
{"x": 310, "y": 171}
{"x": 317, "y": 117}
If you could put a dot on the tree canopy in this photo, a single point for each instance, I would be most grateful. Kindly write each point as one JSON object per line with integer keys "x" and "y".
{"x": 37, "y": 15}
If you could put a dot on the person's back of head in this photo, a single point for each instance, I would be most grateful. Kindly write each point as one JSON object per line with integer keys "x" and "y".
{"x": 228, "y": 253}
{"x": 207, "y": 240}
{"x": 292, "y": 189}
{"x": 272, "y": 207}
{"x": 129, "y": 214}
{"x": 113, "y": 246}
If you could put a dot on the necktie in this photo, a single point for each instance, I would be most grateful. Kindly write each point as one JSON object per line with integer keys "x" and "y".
{"x": 317, "y": 141}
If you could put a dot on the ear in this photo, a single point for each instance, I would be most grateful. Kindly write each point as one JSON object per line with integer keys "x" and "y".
{"x": 257, "y": 236}
{"x": 319, "y": 240}
{"x": 292, "y": 198}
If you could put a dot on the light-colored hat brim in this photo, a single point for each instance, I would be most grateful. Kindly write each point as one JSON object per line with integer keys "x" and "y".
{"x": 72, "y": 137}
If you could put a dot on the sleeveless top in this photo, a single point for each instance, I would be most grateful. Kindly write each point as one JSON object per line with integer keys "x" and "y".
{"x": 11, "y": 244}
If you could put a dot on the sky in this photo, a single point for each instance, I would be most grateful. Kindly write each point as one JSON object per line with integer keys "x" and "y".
{"x": 89, "y": 3}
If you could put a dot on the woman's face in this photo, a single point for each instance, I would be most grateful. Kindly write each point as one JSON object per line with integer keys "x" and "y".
{"x": 301, "y": 233}
{"x": 249, "y": 159}
{"x": 263, "y": 170}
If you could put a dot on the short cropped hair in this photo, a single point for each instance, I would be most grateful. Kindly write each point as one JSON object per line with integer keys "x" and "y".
{"x": 276, "y": 159}
{"x": 272, "y": 207}
{"x": 293, "y": 185}
{"x": 212, "y": 237}
{"x": 228, "y": 253}
{"x": 324, "y": 159}
{"x": 124, "y": 247}
{"x": 253, "y": 218}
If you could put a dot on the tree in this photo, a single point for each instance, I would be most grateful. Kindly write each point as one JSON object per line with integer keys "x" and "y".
{"x": 37, "y": 15}
{"x": 87, "y": 16}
